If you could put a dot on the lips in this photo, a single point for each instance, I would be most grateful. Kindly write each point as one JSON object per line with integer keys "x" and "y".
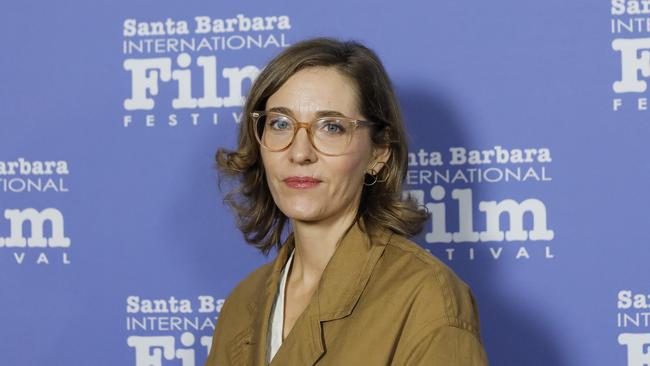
{"x": 302, "y": 182}
{"x": 302, "y": 179}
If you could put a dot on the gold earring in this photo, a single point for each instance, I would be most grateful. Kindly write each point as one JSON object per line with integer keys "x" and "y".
{"x": 373, "y": 173}
{"x": 377, "y": 173}
{"x": 373, "y": 182}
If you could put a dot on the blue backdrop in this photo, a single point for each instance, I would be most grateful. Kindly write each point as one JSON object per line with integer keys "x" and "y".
{"x": 529, "y": 143}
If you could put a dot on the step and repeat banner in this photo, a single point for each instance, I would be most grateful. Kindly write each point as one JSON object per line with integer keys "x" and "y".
{"x": 529, "y": 129}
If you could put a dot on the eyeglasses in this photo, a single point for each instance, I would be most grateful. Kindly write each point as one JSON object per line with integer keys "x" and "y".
{"x": 329, "y": 135}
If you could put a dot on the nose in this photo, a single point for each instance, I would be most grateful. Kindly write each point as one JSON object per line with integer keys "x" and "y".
{"x": 301, "y": 150}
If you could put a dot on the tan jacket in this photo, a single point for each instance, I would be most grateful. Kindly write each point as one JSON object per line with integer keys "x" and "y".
{"x": 381, "y": 300}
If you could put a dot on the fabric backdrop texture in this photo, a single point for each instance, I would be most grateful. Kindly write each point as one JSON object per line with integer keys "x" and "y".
{"x": 528, "y": 126}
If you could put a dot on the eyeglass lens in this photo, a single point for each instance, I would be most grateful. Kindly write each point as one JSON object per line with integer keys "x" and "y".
{"x": 330, "y": 135}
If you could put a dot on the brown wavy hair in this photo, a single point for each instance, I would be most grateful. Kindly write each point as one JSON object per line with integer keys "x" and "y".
{"x": 382, "y": 204}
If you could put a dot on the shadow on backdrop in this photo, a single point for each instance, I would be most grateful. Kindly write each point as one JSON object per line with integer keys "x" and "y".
{"x": 511, "y": 336}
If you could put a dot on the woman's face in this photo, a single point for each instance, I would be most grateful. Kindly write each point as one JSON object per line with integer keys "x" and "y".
{"x": 340, "y": 178}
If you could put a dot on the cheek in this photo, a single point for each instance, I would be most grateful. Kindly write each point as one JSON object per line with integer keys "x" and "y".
{"x": 350, "y": 167}
{"x": 348, "y": 173}
{"x": 354, "y": 164}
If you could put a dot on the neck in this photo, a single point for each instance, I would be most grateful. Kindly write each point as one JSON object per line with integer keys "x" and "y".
{"x": 315, "y": 244}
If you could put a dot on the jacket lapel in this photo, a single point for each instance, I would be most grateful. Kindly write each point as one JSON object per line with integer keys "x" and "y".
{"x": 249, "y": 348}
{"x": 349, "y": 270}
{"x": 338, "y": 291}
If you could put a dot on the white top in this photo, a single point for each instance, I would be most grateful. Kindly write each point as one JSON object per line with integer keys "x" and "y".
{"x": 277, "y": 315}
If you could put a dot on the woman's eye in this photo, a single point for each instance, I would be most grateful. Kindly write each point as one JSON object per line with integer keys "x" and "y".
{"x": 279, "y": 123}
{"x": 333, "y": 127}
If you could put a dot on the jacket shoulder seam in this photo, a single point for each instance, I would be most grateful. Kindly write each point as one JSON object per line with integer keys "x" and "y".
{"x": 438, "y": 323}
{"x": 436, "y": 267}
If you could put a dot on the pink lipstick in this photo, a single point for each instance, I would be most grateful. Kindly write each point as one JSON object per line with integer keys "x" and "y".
{"x": 302, "y": 182}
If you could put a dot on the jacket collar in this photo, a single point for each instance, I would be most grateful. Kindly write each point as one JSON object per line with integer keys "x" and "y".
{"x": 338, "y": 291}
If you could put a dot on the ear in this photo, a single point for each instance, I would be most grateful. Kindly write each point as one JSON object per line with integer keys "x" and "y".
{"x": 381, "y": 154}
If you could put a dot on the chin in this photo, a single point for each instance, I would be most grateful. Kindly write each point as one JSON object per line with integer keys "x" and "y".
{"x": 302, "y": 213}
{"x": 303, "y": 218}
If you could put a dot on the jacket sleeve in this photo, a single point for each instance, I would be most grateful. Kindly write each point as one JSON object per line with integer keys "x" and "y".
{"x": 443, "y": 345}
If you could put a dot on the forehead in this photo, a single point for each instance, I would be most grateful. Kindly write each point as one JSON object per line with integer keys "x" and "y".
{"x": 315, "y": 89}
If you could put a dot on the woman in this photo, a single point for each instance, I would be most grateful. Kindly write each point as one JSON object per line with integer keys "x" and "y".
{"x": 347, "y": 287}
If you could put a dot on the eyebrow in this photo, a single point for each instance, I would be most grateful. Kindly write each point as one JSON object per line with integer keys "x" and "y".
{"x": 322, "y": 113}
